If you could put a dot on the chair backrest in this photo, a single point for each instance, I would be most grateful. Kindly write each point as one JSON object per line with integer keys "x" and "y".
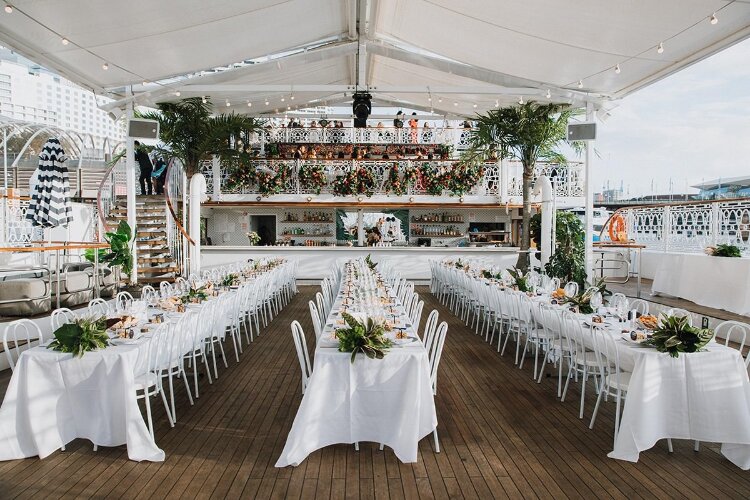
{"x": 639, "y": 305}
{"x": 166, "y": 289}
{"x": 437, "y": 351}
{"x": 607, "y": 353}
{"x": 571, "y": 288}
{"x": 429, "y": 329}
{"x": 316, "y": 321}
{"x": 680, "y": 313}
{"x": 304, "y": 359}
{"x": 61, "y": 316}
{"x": 148, "y": 293}
{"x": 572, "y": 331}
{"x": 98, "y": 307}
{"x": 416, "y": 316}
{"x": 123, "y": 301}
{"x": 734, "y": 331}
{"x": 321, "y": 304}
{"x": 18, "y": 337}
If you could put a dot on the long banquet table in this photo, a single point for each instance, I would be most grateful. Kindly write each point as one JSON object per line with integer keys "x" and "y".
{"x": 387, "y": 401}
{"x": 718, "y": 282}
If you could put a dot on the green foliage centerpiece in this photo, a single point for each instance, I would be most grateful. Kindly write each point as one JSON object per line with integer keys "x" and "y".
{"x": 80, "y": 336}
{"x": 196, "y": 294}
{"x": 230, "y": 279}
{"x": 366, "y": 336}
{"x": 675, "y": 335}
{"x": 520, "y": 280}
{"x": 724, "y": 251}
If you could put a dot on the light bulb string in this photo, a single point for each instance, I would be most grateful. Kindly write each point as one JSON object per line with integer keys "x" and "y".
{"x": 652, "y": 48}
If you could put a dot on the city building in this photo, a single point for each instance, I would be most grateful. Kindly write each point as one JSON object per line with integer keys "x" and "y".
{"x": 727, "y": 187}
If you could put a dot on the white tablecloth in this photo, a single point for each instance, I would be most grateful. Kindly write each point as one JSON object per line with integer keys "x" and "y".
{"x": 701, "y": 396}
{"x": 386, "y": 401}
{"x": 54, "y": 398}
{"x": 718, "y": 282}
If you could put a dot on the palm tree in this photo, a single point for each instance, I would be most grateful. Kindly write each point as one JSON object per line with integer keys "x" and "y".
{"x": 191, "y": 134}
{"x": 529, "y": 132}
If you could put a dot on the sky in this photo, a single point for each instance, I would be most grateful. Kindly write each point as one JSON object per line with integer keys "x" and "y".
{"x": 691, "y": 126}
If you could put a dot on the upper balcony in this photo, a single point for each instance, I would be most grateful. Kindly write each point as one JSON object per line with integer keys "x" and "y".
{"x": 456, "y": 137}
{"x": 288, "y": 181}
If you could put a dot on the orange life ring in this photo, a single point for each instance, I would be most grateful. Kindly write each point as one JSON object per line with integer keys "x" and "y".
{"x": 617, "y": 229}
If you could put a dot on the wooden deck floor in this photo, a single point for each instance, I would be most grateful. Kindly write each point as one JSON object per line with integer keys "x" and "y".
{"x": 502, "y": 435}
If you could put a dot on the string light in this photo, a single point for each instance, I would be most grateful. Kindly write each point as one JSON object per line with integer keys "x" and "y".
{"x": 475, "y": 106}
{"x": 440, "y": 99}
{"x": 429, "y": 99}
{"x": 204, "y": 100}
{"x": 266, "y": 102}
{"x": 497, "y": 103}
{"x": 617, "y": 69}
{"x": 660, "y": 48}
{"x": 105, "y": 66}
{"x": 520, "y": 101}
{"x": 580, "y": 84}
{"x": 65, "y": 41}
{"x": 228, "y": 104}
{"x": 549, "y": 94}
{"x": 282, "y": 99}
{"x": 144, "y": 83}
{"x": 291, "y": 97}
{"x": 8, "y": 9}
{"x": 713, "y": 19}
{"x": 455, "y": 104}
{"x": 178, "y": 93}
{"x": 249, "y": 104}
{"x": 288, "y": 108}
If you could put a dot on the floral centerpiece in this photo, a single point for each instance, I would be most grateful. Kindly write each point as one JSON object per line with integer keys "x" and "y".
{"x": 366, "y": 336}
{"x": 197, "y": 294}
{"x": 254, "y": 237}
{"x": 520, "y": 280}
{"x": 674, "y": 335}
{"x": 724, "y": 251}
{"x": 80, "y": 336}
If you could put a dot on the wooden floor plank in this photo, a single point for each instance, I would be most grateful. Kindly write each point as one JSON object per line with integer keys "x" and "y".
{"x": 502, "y": 436}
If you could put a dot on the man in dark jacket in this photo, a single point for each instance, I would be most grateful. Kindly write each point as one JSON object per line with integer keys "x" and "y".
{"x": 144, "y": 163}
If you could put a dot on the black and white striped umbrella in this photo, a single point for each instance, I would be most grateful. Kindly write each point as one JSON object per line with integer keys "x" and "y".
{"x": 50, "y": 200}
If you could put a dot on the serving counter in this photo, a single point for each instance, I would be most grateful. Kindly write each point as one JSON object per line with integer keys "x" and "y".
{"x": 315, "y": 262}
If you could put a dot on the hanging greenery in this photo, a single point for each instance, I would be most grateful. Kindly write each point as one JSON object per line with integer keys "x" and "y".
{"x": 458, "y": 179}
{"x": 269, "y": 180}
{"x": 399, "y": 180}
{"x": 356, "y": 181}
{"x": 432, "y": 179}
{"x": 312, "y": 177}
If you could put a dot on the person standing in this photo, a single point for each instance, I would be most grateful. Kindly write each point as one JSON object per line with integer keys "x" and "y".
{"x": 144, "y": 163}
{"x": 159, "y": 175}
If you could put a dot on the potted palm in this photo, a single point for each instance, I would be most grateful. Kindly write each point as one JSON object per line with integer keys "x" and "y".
{"x": 529, "y": 132}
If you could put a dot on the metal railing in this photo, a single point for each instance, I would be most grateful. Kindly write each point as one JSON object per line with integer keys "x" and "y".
{"x": 112, "y": 188}
{"x": 687, "y": 227}
{"x": 457, "y": 137}
{"x": 503, "y": 179}
{"x": 175, "y": 194}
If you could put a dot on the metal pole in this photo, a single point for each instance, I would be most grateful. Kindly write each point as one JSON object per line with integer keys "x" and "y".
{"x": 5, "y": 161}
{"x": 130, "y": 190}
{"x": 589, "y": 191}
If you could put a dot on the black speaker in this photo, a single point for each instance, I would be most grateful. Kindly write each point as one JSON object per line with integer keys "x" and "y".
{"x": 361, "y": 108}
{"x": 143, "y": 129}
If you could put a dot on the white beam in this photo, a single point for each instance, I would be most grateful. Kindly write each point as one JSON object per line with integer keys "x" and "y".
{"x": 588, "y": 187}
{"x": 333, "y": 88}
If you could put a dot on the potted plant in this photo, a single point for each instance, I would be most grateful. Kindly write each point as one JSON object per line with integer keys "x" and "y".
{"x": 119, "y": 256}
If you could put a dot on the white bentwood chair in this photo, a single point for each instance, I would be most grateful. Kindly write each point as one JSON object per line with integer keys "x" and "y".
{"x": 61, "y": 317}
{"x": 304, "y": 358}
{"x": 20, "y": 335}
{"x": 98, "y": 307}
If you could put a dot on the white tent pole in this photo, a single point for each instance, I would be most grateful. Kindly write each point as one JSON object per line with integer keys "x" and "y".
{"x": 5, "y": 161}
{"x": 130, "y": 190}
{"x": 589, "y": 191}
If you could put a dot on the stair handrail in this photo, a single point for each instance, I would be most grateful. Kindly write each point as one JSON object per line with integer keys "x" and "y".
{"x": 99, "y": 204}
{"x": 170, "y": 206}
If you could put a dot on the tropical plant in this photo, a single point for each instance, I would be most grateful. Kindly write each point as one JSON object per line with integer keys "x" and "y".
{"x": 520, "y": 280}
{"x": 724, "y": 250}
{"x": 582, "y": 302}
{"x": 529, "y": 132}
{"x": 80, "y": 336}
{"x": 366, "y": 336}
{"x": 568, "y": 258}
{"x": 230, "y": 279}
{"x": 372, "y": 265}
{"x": 675, "y": 335}
{"x": 120, "y": 249}
{"x": 191, "y": 132}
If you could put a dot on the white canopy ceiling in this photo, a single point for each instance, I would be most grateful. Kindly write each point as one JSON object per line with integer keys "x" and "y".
{"x": 444, "y": 55}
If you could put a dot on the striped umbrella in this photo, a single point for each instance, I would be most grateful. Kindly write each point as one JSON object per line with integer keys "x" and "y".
{"x": 50, "y": 200}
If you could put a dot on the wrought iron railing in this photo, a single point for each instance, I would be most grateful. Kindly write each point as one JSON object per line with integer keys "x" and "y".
{"x": 175, "y": 193}
{"x": 687, "y": 227}
{"x": 503, "y": 179}
{"x": 457, "y": 137}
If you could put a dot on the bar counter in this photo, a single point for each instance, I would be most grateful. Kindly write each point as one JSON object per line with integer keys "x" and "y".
{"x": 316, "y": 262}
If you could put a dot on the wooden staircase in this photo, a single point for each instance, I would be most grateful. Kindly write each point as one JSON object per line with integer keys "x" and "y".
{"x": 155, "y": 261}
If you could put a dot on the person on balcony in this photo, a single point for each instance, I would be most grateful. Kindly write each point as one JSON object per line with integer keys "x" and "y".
{"x": 144, "y": 163}
{"x": 413, "y": 124}
{"x": 398, "y": 122}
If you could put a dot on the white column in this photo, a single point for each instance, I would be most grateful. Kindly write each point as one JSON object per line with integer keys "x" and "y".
{"x": 588, "y": 189}
{"x": 216, "y": 171}
{"x": 130, "y": 186}
{"x": 503, "y": 180}
{"x": 360, "y": 228}
{"x": 197, "y": 195}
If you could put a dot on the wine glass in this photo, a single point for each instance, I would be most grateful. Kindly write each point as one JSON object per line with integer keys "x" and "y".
{"x": 596, "y": 301}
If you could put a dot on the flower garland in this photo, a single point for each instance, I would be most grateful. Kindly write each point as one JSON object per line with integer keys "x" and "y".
{"x": 355, "y": 181}
{"x": 272, "y": 181}
{"x": 312, "y": 177}
{"x": 459, "y": 178}
{"x": 400, "y": 185}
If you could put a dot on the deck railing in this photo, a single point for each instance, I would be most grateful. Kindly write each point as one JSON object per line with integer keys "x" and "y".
{"x": 457, "y": 137}
{"x": 688, "y": 227}
{"x": 501, "y": 179}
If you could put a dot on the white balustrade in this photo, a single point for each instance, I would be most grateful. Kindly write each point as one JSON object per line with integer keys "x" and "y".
{"x": 458, "y": 137}
{"x": 689, "y": 227}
